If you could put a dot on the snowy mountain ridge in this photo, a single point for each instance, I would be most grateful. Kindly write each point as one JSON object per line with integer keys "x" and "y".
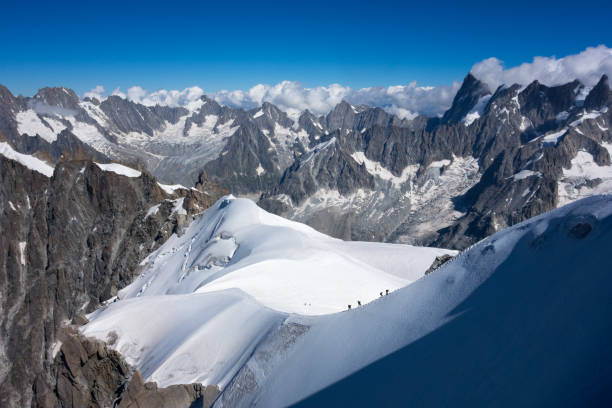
{"x": 235, "y": 274}
{"x": 260, "y": 356}
{"x": 285, "y": 265}
{"x": 523, "y": 323}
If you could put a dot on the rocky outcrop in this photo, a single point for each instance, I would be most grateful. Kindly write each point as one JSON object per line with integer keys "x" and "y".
{"x": 439, "y": 261}
{"x": 70, "y": 242}
{"x": 89, "y": 373}
{"x": 86, "y": 373}
{"x": 141, "y": 394}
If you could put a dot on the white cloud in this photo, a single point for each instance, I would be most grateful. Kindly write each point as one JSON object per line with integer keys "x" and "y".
{"x": 406, "y": 101}
{"x": 118, "y": 92}
{"x": 186, "y": 98}
{"x": 98, "y": 92}
{"x": 400, "y": 112}
{"x": 587, "y": 66}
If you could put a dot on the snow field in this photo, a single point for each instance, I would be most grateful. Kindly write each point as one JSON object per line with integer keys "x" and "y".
{"x": 206, "y": 299}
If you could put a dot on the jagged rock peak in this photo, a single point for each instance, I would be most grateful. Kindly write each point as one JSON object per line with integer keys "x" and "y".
{"x": 58, "y": 96}
{"x": 342, "y": 116}
{"x": 467, "y": 97}
{"x": 207, "y": 99}
{"x": 7, "y": 99}
{"x": 600, "y": 95}
{"x": 343, "y": 107}
{"x": 273, "y": 112}
{"x": 540, "y": 102}
{"x": 307, "y": 114}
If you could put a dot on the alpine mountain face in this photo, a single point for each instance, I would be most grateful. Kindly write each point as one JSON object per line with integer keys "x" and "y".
{"x": 491, "y": 161}
{"x": 495, "y": 158}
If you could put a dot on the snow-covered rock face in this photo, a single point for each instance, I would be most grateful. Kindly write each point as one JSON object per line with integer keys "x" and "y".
{"x": 406, "y": 208}
{"x": 158, "y": 136}
{"x": 206, "y": 299}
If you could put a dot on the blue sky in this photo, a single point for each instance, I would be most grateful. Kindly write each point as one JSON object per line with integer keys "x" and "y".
{"x": 235, "y": 45}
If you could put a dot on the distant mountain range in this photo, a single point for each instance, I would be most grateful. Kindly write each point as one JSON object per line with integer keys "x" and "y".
{"x": 495, "y": 158}
{"x": 83, "y": 233}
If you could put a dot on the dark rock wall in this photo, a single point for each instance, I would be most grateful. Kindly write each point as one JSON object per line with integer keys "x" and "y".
{"x": 68, "y": 243}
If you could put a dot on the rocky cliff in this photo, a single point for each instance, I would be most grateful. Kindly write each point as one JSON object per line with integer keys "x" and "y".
{"x": 69, "y": 242}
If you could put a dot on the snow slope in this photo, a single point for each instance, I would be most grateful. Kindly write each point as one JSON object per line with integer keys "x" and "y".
{"x": 182, "y": 339}
{"x": 519, "y": 319}
{"x": 30, "y": 123}
{"x": 119, "y": 169}
{"x": 585, "y": 178}
{"x": 27, "y": 160}
{"x": 285, "y": 265}
{"x": 205, "y": 299}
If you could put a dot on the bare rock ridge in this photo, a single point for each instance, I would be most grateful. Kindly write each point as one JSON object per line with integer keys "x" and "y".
{"x": 69, "y": 242}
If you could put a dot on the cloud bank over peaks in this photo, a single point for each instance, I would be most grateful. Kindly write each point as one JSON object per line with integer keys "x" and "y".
{"x": 98, "y": 92}
{"x": 587, "y": 66}
{"x": 405, "y": 101}
{"x": 188, "y": 97}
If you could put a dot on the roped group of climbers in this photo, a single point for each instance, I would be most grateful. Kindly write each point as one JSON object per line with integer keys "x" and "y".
{"x": 381, "y": 295}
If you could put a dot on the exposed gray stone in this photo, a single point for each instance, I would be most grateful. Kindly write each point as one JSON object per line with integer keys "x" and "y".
{"x": 75, "y": 239}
